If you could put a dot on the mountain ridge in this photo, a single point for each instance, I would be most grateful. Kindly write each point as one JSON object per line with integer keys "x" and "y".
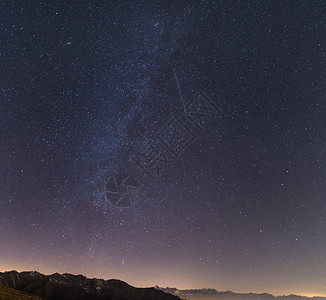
{"x": 72, "y": 287}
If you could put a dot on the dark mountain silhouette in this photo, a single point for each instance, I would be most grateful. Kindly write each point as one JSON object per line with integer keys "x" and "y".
{"x": 228, "y": 295}
{"x": 78, "y": 287}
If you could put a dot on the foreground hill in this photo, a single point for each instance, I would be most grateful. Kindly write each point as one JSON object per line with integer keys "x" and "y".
{"x": 7, "y": 293}
{"x": 77, "y": 287}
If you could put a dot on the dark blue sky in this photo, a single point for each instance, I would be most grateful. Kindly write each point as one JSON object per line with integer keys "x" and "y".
{"x": 89, "y": 87}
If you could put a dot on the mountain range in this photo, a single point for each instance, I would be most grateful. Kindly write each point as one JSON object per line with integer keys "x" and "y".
{"x": 228, "y": 295}
{"x": 76, "y": 287}
{"x": 34, "y": 285}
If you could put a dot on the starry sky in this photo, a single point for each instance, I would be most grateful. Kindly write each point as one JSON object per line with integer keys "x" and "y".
{"x": 214, "y": 110}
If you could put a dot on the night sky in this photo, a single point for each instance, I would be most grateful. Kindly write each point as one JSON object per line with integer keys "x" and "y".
{"x": 177, "y": 143}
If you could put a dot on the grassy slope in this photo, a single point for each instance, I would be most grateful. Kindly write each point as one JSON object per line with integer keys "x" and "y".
{"x": 7, "y": 293}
